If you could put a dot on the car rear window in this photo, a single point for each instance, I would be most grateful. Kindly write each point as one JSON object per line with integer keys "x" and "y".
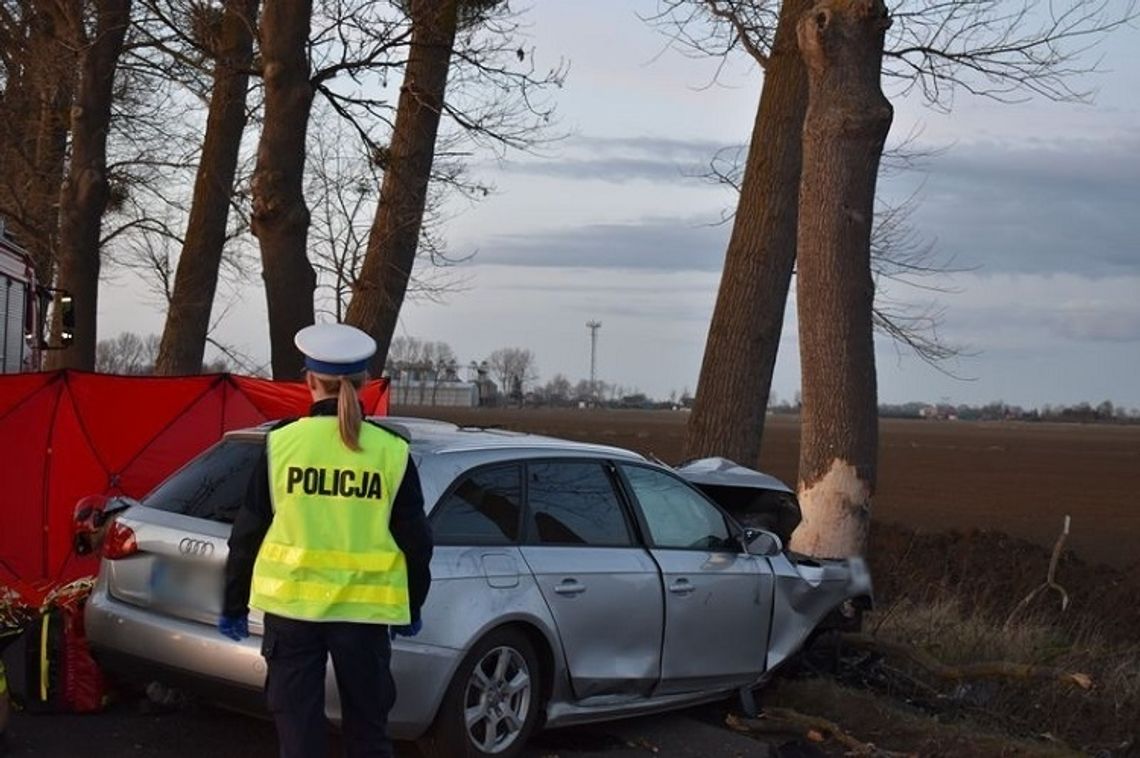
{"x": 484, "y": 508}
{"x": 212, "y": 486}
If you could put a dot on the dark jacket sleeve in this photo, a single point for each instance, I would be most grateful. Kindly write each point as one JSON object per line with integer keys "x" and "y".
{"x": 410, "y": 529}
{"x": 252, "y": 522}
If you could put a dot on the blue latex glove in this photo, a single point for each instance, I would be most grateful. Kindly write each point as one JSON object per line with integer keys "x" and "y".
{"x": 405, "y": 630}
{"x": 234, "y": 627}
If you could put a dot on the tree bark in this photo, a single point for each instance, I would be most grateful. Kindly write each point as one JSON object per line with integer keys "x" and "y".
{"x": 845, "y": 127}
{"x": 392, "y": 241}
{"x": 83, "y": 194}
{"x": 740, "y": 354}
{"x": 34, "y": 122}
{"x": 280, "y": 217}
{"x": 188, "y": 317}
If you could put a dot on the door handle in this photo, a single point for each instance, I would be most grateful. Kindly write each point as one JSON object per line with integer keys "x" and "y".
{"x": 570, "y": 587}
{"x": 681, "y": 587}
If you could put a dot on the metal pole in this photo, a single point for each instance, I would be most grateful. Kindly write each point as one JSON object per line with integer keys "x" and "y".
{"x": 593, "y": 326}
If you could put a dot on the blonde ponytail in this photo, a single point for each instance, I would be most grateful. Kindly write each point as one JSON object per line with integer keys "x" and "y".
{"x": 348, "y": 413}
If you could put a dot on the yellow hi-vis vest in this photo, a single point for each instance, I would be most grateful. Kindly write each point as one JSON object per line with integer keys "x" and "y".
{"x": 329, "y": 554}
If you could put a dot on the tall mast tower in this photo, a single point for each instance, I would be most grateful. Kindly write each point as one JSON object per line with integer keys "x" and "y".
{"x": 593, "y": 326}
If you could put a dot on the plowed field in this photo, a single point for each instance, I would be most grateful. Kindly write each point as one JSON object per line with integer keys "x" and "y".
{"x": 1016, "y": 478}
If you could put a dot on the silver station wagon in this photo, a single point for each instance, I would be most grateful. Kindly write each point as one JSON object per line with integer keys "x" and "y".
{"x": 571, "y": 583}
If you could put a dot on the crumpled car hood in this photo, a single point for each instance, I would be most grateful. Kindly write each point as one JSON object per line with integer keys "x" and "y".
{"x": 725, "y": 473}
{"x": 753, "y": 497}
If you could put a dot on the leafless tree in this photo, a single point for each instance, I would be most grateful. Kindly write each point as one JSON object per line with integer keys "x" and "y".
{"x": 422, "y": 356}
{"x": 128, "y": 353}
{"x": 900, "y": 255}
{"x": 732, "y": 397}
{"x": 227, "y": 34}
{"x": 341, "y": 187}
{"x": 353, "y": 47}
{"x": 441, "y": 30}
{"x": 995, "y": 48}
{"x": 38, "y": 76}
{"x": 86, "y": 188}
{"x": 134, "y": 354}
{"x": 514, "y": 368}
{"x": 558, "y": 391}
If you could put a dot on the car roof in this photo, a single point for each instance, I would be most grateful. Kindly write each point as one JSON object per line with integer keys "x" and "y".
{"x": 431, "y": 436}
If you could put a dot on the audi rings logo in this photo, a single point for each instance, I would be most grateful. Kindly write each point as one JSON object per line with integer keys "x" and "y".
{"x": 196, "y": 548}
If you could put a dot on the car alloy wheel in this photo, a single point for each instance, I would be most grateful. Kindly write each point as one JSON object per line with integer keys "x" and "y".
{"x": 493, "y": 703}
{"x": 498, "y": 699}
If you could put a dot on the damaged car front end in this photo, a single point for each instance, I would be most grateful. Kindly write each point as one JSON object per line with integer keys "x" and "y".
{"x": 811, "y": 595}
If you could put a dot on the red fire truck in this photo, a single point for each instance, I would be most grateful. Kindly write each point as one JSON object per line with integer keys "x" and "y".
{"x": 24, "y": 308}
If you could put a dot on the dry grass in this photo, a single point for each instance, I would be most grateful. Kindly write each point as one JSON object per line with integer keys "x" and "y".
{"x": 1107, "y": 717}
{"x": 899, "y": 706}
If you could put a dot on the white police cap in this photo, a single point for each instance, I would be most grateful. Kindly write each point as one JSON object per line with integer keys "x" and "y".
{"x": 335, "y": 348}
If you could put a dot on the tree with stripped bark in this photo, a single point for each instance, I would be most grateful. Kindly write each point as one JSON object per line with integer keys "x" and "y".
{"x": 845, "y": 129}
{"x": 1003, "y": 49}
{"x": 994, "y": 48}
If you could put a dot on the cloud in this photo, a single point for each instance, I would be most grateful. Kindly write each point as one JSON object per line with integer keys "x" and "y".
{"x": 1064, "y": 206}
{"x": 654, "y": 243}
{"x": 1038, "y": 207}
{"x": 1019, "y": 311}
{"x": 622, "y": 160}
{"x": 1109, "y": 325}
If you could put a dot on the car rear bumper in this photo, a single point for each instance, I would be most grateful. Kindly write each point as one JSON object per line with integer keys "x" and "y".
{"x": 141, "y": 646}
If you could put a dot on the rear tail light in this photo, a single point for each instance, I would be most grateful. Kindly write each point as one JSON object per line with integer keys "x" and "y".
{"x": 120, "y": 542}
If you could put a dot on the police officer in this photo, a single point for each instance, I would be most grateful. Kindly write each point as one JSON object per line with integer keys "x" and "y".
{"x": 333, "y": 545}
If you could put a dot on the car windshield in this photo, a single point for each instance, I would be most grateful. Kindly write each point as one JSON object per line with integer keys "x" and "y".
{"x": 212, "y": 486}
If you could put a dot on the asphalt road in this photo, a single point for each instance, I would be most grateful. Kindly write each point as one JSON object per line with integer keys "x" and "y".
{"x": 131, "y": 729}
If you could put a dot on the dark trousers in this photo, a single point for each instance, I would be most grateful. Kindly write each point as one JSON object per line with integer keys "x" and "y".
{"x": 296, "y": 653}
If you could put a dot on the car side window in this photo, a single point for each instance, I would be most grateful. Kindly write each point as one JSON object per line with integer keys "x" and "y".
{"x": 483, "y": 509}
{"x": 676, "y": 515}
{"x": 211, "y": 486}
{"x": 575, "y": 503}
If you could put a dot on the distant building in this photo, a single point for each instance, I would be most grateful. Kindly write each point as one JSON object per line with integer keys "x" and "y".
{"x": 451, "y": 394}
{"x": 422, "y": 385}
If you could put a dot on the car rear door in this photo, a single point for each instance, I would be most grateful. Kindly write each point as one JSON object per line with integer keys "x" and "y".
{"x": 718, "y": 599}
{"x": 603, "y": 589}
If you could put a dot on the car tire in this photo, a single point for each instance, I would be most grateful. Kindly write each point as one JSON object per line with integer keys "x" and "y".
{"x": 499, "y": 686}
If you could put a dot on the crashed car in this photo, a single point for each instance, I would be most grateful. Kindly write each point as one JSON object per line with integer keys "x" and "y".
{"x": 572, "y": 583}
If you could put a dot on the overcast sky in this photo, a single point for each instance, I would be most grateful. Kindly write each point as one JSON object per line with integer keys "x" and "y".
{"x": 1036, "y": 205}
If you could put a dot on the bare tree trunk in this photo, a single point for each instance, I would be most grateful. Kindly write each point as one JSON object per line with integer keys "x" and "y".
{"x": 732, "y": 394}
{"x": 83, "y": 194}
{"x": 188, "y": 318}
{"x": 34, "y": 122}
{"x": 391, "y": 253}
{"x": 280, "y": 217}
{"x": 846, "y": 125}
{"x": 50, "y": 159}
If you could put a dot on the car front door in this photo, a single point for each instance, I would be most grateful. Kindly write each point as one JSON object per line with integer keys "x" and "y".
{"x": 602, "y": 588}
{"x": 718, "y": 599}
